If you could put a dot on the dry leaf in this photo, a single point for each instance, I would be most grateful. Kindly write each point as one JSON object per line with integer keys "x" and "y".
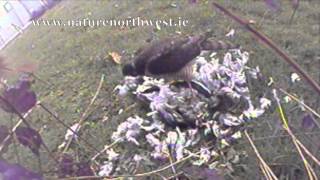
{"x": 115, "y": 57}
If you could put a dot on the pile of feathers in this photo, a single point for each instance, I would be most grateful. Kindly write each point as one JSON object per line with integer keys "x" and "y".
{"x": 202, "y": 121}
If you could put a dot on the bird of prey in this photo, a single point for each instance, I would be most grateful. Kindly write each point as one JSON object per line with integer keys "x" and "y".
{"x": 171, "y": 58}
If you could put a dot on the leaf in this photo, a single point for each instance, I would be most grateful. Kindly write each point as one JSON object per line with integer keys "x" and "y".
{"x": 115, "y": 57}
{"x": 36, "y": 14}
{"x": 16, "y": 171}
{"x": 307, "y": 122}
{"x": 19, "y": 97}
{"x": 29, "y": 138}
{"x": 68, "y": 168}
{"x": 51, "y": 4}
{"x": 65, "y": 166}
{"x": 84, "y": 169}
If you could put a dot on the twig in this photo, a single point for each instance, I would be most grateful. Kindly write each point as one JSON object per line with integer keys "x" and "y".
{"x": 137, "y": 175}
{"x": 280, "y": 136}
{"x": 264, "y": 171}
{"x": 305, "y": 149}
{"x": 286, "y": 126}
{"x": 175, "y": 175}
{"x": 302, "y": 103}
{"x": 22, "y": 120}
{"x": 15, "y": 147}
{"x": 309, "y": 170}
{"x": 104, "y": 149}
{"x": 80, "y": 122}
{"x": 66, "y": 126}
{"x": 15, "y": 111}
{"x": 39, "y": 79}
{"x": 171, "y": 161}
{"x": 272, "y": 45}
{"x": 13, "y": 130}
{"x": 294, "y": 11}
{"x": 263, "y": 163}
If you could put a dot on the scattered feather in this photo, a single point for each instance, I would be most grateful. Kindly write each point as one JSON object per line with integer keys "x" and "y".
{"x": 287, "y": 99}
{"x": 106, "y": 169}
{"x": 295, "y": 77}
{"x": 71, "y": 132}
{"x": 176, "y": 121}
{"x": 231, "y": 33}
{"x": 265, "y": 103}
{"x": 270, "y": 82}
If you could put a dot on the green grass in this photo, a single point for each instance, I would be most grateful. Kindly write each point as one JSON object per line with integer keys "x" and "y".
{"x": 73, "y": 59}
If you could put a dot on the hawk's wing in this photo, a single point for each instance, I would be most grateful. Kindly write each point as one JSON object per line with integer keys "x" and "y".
{"x": 156, "y": 50}
{"x": 174, "y": 56}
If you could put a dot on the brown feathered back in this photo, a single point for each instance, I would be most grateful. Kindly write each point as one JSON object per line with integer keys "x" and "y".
{"x": 172, "y": 56}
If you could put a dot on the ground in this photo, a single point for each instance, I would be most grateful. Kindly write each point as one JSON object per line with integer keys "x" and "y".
{"x": 71, "y": 60}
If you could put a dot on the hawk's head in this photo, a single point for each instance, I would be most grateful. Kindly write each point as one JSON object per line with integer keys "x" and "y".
{"x": 129, "y": 70}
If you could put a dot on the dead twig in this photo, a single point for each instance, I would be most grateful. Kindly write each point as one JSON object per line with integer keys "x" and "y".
{"x": 263, "y": 165}
{"x": 66, "y": 126}
{"x": 309, "y": 169}
{"x": 83, "y": 116}
{"x": 147, "y": 174}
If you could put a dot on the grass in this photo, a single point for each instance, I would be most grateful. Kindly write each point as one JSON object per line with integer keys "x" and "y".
{"x": 73, "y": 59}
